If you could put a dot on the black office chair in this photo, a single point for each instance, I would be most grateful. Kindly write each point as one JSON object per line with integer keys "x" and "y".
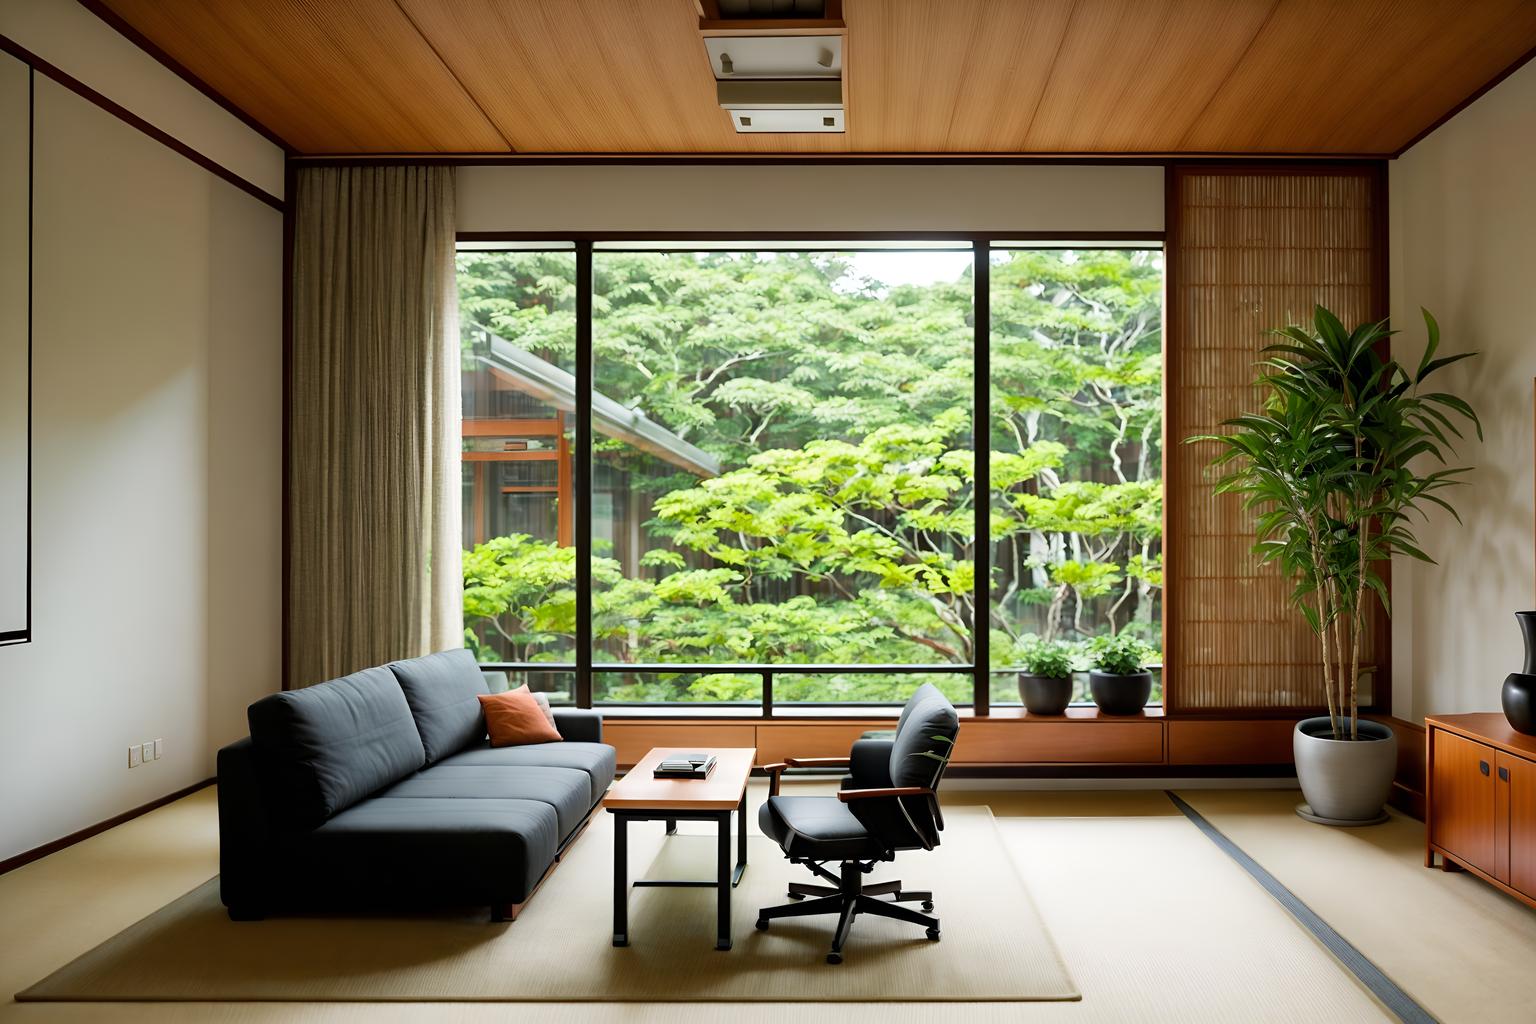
{"x": 888, "y": 802}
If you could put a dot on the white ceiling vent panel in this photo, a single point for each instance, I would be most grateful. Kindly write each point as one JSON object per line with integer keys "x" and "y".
{"x": 737, "y": 57}
{"x": 827, "y": 119}
{"x": 779, "y": 83}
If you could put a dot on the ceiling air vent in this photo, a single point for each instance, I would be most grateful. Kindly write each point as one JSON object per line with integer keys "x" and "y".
{"x": 779, "y": 83}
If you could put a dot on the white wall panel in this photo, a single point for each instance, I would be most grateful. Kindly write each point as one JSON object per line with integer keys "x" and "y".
{"x": 1463, "y": 220}
{"x": 822, "y": 197}
{"x": 157, "y": 347}
{"x": 71, "y": 38}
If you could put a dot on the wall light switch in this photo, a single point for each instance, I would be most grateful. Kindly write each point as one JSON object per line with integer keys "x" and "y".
{"x": 135, "y": 756}
{"x": 159, "y": 743}
{"x": 148, "y": 751}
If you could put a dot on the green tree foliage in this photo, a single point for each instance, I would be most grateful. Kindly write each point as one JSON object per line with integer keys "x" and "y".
{"x": 841, "y": 528}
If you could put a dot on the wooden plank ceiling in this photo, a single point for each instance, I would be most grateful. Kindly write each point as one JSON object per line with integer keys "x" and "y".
{"x": 923, "y": 76}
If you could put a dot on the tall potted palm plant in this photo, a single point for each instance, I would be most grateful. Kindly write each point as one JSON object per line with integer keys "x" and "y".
{"x": 1341, "y": 455}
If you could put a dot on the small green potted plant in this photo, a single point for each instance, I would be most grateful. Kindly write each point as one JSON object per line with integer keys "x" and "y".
{"x": 1119, "y": 680}
{"x": 1045, "y": 684}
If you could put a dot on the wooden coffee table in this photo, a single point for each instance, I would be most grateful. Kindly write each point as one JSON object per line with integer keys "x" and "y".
{"x": 641, "y": 797}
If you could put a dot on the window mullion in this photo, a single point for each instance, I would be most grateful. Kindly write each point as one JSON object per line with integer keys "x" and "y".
{"x": 582, "y": 512}
{"x": 981, "y": 483}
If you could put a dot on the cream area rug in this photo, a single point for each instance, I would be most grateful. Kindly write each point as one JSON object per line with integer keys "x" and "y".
{"x": 994, "y": 945}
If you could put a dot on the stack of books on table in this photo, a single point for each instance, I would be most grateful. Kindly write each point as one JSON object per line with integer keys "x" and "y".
{"x": 685, "y": 766}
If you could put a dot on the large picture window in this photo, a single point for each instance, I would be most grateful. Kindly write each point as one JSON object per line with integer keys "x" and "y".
{"x": 781, "y": 503}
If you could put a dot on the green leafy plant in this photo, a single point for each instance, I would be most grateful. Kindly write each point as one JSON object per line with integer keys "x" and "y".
{"x": 1328, "y": 468}
{"x": 1120, "y": 655}
{"x": 934, "y": 755}
{"x": 1050, "y": 659}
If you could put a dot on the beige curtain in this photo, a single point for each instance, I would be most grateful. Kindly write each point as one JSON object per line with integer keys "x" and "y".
{"x": 373, "y": 470}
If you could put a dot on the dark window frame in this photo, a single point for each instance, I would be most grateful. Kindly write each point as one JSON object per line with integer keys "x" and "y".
{"x": 584, "y": 244}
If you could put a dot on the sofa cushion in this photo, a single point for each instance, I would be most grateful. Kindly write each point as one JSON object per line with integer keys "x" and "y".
{"x": 513, "y": 719}
{"x": 325, "y": 747}
{"x": 442, "y": 690}
{"x": 407, "y": 850}
{"x": 595, "y": 759}
{"x": 565, "y": 789}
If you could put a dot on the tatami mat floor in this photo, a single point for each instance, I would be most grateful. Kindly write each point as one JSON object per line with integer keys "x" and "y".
{"x": 1153, "y": 920}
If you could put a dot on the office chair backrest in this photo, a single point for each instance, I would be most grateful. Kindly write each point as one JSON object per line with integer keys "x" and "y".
{"x": 920, "y": 752}
{"x": 925, "y": 737}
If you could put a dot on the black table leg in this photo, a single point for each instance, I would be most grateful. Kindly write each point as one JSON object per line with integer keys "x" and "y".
{"x": 723, "y": 883}
{"x": 741, "y": 840}
{"x": 620, "y": 880}
{"x": 671, "y": 826}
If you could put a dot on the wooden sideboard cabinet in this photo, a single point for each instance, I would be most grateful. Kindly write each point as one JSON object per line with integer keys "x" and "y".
{"x": 1481, "y": 800}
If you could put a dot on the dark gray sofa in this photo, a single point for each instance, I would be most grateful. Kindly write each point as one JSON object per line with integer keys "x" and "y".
{"x": 379, "y": 790}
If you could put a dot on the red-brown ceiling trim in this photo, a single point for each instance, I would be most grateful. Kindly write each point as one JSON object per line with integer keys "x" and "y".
{"x": 137, "y": 38}
{"x": 128, "y": 117}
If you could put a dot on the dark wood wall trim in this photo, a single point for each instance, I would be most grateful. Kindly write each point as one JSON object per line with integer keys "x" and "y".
{"x": 37, "y": 853}
{"x": 139, "y": 39}
{"x": 128, "y": 117}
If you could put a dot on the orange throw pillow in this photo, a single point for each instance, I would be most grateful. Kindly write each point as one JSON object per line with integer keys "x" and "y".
{"x": 514, "y": 718}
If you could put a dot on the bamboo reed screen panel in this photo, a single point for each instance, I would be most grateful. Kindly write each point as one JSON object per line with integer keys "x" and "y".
{"x": 1249, "y": 250}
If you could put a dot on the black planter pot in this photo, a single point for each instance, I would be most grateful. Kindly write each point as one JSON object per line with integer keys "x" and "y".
{"x": 1045, "y": 695}
{"x": 1120, "y": 695}
{"x": 1519, "y": 693}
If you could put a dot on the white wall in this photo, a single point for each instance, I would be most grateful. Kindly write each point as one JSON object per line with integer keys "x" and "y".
{"x": 156, "y": 505}
{"x": 812, "y": 197}
{"x": 1463, "y": 208}
{"x": 71, "y": 38}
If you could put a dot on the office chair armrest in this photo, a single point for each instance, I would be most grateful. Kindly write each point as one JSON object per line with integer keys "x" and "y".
{"x": 817, "y": 762}
{"x": 849, "y": 795}
{"x": 775, "y": 772}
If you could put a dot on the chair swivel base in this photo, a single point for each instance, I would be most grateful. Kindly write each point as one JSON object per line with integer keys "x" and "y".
{"x": 848, "y": 900}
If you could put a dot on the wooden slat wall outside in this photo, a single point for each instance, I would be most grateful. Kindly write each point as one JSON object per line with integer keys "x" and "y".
{"x": 1249, "y": 249}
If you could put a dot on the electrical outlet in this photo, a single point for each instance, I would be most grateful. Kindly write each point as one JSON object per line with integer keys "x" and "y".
{"x": 148, "y": 752}
{"x": 135, "y": 756}
{"x": 159, "y": 743}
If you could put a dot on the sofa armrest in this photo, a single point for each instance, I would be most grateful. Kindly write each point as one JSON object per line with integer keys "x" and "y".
{"x": 579, "y": 724}
{"x": 245, "y": 837}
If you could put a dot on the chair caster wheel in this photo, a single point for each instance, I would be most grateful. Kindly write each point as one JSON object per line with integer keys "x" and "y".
{"x": 927, "y": 904}
{"x": 762, "y": 924}
{"x": 834, "y": 958}
{"x": 933, "y": 934}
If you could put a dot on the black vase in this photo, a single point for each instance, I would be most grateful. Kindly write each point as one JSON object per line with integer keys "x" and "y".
{"x": 1519, "y": 693}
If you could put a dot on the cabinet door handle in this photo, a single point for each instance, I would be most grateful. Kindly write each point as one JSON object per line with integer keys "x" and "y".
{"x": 1503, "y": 774}
{"x": 1482, "y": 766}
